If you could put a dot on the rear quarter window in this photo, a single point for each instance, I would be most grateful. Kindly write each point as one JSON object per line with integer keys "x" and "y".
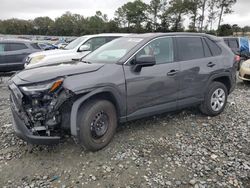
{"x": 207, "y": 51}
{"x": 215, "y": 49}
{"x": 190, "y": 48}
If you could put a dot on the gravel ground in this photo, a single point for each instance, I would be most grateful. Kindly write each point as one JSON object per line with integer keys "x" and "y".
{"x": 180, "y": 149}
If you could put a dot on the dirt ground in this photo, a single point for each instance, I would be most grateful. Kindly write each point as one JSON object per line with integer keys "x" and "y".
{"x": 179, "y": 149}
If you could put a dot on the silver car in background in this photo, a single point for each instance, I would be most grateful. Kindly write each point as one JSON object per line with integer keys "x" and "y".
{"x": 75, "y": 50}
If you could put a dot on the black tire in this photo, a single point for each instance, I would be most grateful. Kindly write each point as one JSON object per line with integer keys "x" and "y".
{"x": 206, "y": 106}
{"x": 93, "y": 112}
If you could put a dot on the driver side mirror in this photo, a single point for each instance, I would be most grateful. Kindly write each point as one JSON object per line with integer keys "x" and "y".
{"x": 84, "y": 48}
{"x": 144, "y": 61}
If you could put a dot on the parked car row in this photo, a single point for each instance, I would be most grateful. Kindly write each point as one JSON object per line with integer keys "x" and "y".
{"x": 128, "y": 78}
{"x": 16, "y": 53}
{"x": 240, "y": 46}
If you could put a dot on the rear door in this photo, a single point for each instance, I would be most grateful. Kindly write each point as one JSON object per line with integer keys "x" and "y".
{"x": 197, "y": 63}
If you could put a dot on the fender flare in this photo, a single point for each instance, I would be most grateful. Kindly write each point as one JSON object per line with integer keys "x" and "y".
{"x": 222, "y": 74}
{"x": 77, "y": 104}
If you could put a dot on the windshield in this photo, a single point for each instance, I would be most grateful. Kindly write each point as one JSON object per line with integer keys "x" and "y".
{"x": 112, "y": 51}
{"x": 75, "y": 43}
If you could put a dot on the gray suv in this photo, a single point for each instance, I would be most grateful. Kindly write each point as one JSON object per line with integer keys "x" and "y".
{"x": 129, "y": 78}
{"x": 13, "y": 53}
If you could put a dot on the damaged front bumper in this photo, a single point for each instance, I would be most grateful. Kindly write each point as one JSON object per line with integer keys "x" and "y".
{"x": 23, "y": 122}
{"x": 24, "y": 133}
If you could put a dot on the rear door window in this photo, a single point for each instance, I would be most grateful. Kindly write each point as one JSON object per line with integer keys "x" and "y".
{"x": 190, "y": 48}
{"x": 16, "y": 46}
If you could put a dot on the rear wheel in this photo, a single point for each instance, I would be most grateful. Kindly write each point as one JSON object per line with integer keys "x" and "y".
{"x": 98, "y": 124}
{"x": 215, "y": 99}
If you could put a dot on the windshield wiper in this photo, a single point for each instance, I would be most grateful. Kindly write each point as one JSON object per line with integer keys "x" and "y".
{"x": 87, "y": 62}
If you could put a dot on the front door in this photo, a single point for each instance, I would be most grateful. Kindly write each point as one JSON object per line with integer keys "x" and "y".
{"x": 153, "y": 89}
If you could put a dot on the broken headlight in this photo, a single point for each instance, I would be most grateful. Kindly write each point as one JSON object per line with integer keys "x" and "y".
{"x": 41, "y": 87}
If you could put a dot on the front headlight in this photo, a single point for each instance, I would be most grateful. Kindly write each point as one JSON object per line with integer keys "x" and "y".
{"x": 48, "y": 86}
{"x": 246, "y": 65}
{"x": 37, "y": 59}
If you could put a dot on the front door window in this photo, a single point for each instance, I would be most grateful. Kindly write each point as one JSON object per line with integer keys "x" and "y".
{"x": 161, "y": 48}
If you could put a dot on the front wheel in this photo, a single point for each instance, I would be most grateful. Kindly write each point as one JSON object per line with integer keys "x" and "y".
{"x": 98, "y": 124}
{"x": 215, "y": 99}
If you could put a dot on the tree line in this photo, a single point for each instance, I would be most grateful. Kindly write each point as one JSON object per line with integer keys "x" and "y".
{"x": 132, "y": 17}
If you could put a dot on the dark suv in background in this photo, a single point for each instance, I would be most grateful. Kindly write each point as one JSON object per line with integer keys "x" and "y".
{"x": 13, "y": 52}
{"x": 240, "y": 47}
{"x": 233, "y": 43}
{"x": 129, "y": 78}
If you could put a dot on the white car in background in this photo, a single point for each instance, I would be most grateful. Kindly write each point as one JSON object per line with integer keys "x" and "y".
{"x": 75, "y": 50}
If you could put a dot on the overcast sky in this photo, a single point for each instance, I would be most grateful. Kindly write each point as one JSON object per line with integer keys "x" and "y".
{"x": 29, "y": 9}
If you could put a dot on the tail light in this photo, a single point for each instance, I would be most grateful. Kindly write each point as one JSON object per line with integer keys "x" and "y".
{"x": 237, "y": 58}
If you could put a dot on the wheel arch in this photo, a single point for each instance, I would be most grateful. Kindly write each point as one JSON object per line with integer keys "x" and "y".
{"x": 108, "y": 93}
{"x": 224, "y": 78}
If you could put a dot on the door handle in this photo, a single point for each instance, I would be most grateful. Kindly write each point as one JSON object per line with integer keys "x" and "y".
{"x": 172, "y": 72}
{"x": 210, "y": 64}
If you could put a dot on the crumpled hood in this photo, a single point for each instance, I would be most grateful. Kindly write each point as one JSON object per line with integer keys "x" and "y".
{"x": 54, "y": 71}
{"x": 50, "y": 52}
